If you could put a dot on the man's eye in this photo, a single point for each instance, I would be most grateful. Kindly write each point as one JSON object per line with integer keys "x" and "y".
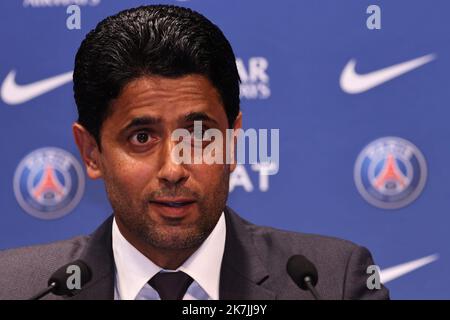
{"x": 140, "y": 138}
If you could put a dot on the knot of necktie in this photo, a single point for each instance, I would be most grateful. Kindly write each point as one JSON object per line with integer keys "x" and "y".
{"x": 171, "y": 285}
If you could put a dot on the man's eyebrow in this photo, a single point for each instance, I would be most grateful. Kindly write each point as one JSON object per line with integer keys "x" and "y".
{"x": 142, "y": 121}
{"x": 199, "y": 116}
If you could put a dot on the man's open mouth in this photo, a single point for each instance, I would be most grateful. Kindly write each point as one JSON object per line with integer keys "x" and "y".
{"x": 173, "y": 204}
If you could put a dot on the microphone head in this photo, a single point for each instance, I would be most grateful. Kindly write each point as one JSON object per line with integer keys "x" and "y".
{"x": 299, "y": 267}
{"x": 78, "y": 269}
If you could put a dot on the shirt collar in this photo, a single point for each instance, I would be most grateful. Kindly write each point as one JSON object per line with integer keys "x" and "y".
{"x": 133, "y": 269}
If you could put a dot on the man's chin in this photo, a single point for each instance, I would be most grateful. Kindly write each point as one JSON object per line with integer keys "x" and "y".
{"x": 175, "y": 237}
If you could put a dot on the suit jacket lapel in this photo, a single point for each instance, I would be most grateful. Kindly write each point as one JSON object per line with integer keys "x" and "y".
{"x": 99, "y": 257}
{"x": 242, "y": 275}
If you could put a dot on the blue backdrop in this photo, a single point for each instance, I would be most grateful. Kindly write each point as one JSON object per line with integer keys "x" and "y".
{"x": 313, "y": 69}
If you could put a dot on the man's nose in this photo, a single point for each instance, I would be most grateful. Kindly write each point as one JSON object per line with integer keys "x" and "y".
{"x": 171, "y": 172}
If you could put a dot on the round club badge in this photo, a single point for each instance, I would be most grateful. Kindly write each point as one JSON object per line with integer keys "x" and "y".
{"x": 390, "y": 173}
{"x": 48, "y": 183}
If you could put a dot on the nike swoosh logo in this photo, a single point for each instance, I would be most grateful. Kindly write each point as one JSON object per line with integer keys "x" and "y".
{"x": 351, "y": 82}
{"x": 13, "y": 93}
{"x": 400, "y": 270}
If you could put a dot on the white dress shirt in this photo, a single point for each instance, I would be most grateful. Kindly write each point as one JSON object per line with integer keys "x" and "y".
{"x": 133, "y": 269}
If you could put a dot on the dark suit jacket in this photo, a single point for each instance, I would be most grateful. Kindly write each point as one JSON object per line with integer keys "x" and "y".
{"x": 253, "y": 266}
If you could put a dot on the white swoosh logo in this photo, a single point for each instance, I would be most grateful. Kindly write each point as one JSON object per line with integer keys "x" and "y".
{"x": 13, "y": 94}
{"x": 395, "y": 272}
{"x": 353, "y": 83}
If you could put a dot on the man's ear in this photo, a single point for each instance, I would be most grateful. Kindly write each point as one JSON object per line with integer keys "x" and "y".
{"x": 237, "y": 125}
{"x": 89, "y": 150}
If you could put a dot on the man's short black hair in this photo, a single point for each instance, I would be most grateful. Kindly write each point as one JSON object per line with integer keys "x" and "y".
{"x": 155, "y": 40}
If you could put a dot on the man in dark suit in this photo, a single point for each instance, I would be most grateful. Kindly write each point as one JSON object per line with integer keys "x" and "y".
{"x": 140, "y": 76}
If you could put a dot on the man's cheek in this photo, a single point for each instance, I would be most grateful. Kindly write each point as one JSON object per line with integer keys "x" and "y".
{"x": 209, "y": 175}
{"x": 121, "y": 187}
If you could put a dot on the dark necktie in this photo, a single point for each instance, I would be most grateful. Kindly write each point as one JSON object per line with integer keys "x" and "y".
{"x": 171, "y": 285}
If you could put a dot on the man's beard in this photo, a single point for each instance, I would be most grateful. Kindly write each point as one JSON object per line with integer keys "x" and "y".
{"x": 176, "y": 236}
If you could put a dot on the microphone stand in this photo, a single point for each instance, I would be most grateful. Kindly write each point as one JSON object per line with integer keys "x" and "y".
{"x": 311, "y": 288}
{"x": 44, "y": 292}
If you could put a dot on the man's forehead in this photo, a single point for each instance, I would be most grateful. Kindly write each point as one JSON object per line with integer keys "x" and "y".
{"x": 155, "y": 88}
{"x": 159, "y": 98}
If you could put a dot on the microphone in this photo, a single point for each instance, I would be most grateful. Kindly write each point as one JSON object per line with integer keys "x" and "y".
{"x": 57, "y": 284}
{"x": 303, "y": 273}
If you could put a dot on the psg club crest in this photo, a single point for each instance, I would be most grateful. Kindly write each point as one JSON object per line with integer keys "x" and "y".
{"x": 390, "y": 173}
{"x": 48, "y": 183}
